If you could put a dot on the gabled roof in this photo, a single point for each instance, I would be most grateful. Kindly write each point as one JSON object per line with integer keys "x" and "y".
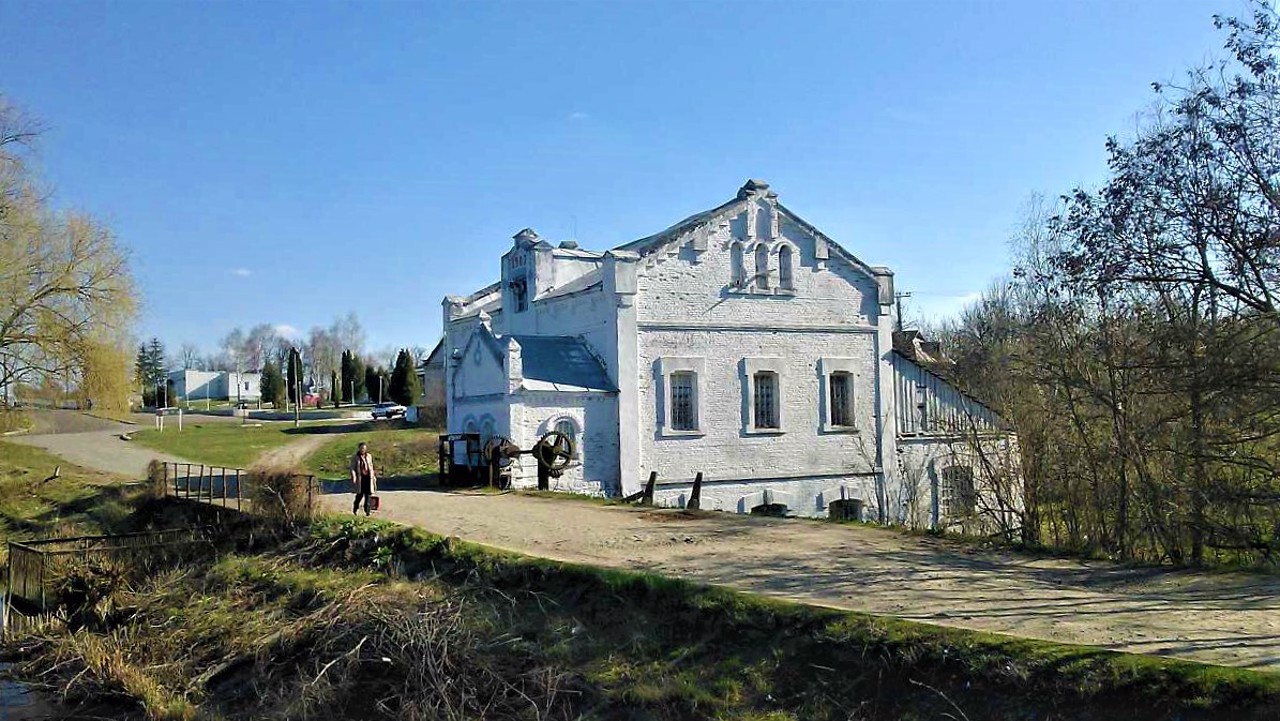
{"x": 748, "y": 192}
{"x": 560, "y": 363}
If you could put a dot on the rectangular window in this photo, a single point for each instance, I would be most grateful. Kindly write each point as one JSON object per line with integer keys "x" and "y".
{"x": 841, "y": 399}
{"x": 683, "y": 415}
{"x": 958, "y": 493}
{"x": 766, "y": 399}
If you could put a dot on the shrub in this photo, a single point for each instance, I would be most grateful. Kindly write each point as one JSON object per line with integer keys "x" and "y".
{"x": 281, "y": 495}
{"x": 157, "y": 478}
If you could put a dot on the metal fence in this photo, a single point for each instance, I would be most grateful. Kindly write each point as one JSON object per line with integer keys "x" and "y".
{"x": 221, "y": 486}
{"x": 37, "y": 567}
{"x": 217, "y": 485}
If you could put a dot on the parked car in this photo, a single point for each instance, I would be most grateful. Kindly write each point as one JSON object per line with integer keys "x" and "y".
{"x": 389, "y": 410}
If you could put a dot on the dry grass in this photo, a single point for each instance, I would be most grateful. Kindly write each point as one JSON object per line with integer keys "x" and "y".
{"x": 281, "y": 496}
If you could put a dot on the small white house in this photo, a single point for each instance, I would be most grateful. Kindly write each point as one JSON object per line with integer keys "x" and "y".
{"x": 741, "y": 343}
{"x": 194, "y": 385}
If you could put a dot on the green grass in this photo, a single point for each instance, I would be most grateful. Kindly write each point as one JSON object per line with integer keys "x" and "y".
{"x": 78, "y": 502}
{"x": 220, "y": 444}
{"x": 392, "y": 611}
{"x": 398, "y": 449}
{"x": 363, "y": 610}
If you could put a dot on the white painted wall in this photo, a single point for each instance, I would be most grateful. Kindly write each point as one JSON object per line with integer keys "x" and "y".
{"x": 680, "y": 302}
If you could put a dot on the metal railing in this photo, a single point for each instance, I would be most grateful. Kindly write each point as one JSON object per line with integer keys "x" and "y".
{"x": 37, "y": 567}
{"x": 219, "y": 485}
{"x": 215, "y": 485}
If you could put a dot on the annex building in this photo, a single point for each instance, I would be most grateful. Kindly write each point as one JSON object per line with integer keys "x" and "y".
{"x": 741, "y": 343}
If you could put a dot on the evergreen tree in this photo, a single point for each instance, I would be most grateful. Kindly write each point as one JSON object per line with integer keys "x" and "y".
{"x": 398, "y": 388}
{"x": 141, "y": 374}
{"x": 293, "y": 374}
{"x": 414, "y": 385}
{"x": 156, "y": 361}
{"x": 273, "y": 383}
{"x": 358, "y": 373}
{"x": 348, "y": 379}
{"x": 371, "y": 384}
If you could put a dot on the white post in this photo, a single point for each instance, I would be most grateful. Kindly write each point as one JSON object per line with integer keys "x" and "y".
{"x": 179, "y": 419}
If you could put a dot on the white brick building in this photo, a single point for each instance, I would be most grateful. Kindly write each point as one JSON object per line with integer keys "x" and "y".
{"x": 741, "y": 343}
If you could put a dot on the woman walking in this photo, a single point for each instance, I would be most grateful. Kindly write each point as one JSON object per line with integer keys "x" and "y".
{"x": 363, "y": 477}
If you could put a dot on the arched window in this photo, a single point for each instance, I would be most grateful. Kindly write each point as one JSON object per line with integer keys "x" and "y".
{"x": 569, "y": 428}
{"x": 737, "y": 269}
{"x": 486, "y": 430}
{"x": 785, "y": 256}
{"x": 762, "y": 267}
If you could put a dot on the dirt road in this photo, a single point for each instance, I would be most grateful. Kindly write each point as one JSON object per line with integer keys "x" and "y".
{"x": 1229, "y": 619}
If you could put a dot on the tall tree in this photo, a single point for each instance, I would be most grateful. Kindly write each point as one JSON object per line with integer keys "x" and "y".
{"x": 273, "y": 386}
{"x": 375, "y": 383}
{"x": 64, "y": 280}
{"x": 189, "y": 357}
{"x": 293, "y": 374}
{"x": 398, "y": 387}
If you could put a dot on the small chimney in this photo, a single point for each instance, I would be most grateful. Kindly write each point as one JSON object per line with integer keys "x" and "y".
{"x": 569, "y": 244}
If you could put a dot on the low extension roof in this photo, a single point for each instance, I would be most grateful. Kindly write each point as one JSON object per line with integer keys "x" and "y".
{"x": 560, "y": 363}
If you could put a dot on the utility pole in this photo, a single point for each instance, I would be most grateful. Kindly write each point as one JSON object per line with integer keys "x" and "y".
{"x": 897, "y": 298}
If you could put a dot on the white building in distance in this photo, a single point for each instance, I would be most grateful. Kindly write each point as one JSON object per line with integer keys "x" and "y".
{"x": 741, "y": 343}
{"x": 193, "y": 385}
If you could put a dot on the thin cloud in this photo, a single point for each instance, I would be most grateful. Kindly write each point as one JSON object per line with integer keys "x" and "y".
{"x": 242, "y": 272}
{"x": 286, "y": 330}
{"x": 578, "y": 116}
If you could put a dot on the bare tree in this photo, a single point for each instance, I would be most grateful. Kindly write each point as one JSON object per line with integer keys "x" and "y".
{"x": 189, "y": 357}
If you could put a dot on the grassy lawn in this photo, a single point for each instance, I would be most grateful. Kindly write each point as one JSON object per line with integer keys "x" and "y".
{"x": 398, "y": 450}
{"x": 219, "y": 444}
{"x": 78, "y": 502}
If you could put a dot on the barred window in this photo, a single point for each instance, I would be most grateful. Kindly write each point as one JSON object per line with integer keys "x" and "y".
{"x": 766, "y": 399}
{"x": 958, "y": 494}
{"x": 841, "y": 385}
{"x": 683, "y": 415}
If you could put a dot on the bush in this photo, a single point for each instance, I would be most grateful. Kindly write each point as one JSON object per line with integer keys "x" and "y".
{"x": 157, "y": 478}
{"x": 281, "y": 496}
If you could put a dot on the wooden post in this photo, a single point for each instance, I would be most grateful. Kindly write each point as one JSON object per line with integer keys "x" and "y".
{"x": 175, "y": 476}
{"x": 648, "y": 488}
{"x": 224, "y": 486}
{"x": 695, "y": 498}
{"x": 238, "y": 489}
{"x": 200, "y": 485}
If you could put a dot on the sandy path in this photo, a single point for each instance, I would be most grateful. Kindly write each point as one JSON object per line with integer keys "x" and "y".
{"x": 293, "y": 451}
{"x": 1229, "y": 619}
{"x": 102, "y": 450}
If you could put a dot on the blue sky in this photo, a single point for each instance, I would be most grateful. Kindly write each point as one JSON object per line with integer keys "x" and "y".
{"x": 287, "y": 162}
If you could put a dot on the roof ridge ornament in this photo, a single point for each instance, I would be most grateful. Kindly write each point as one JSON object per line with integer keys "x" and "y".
{"x": 526, "y": 237}
{"x": 755, "y": 188}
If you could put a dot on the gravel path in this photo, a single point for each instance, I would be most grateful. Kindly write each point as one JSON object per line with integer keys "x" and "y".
{"x": 1223, "y": 618}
